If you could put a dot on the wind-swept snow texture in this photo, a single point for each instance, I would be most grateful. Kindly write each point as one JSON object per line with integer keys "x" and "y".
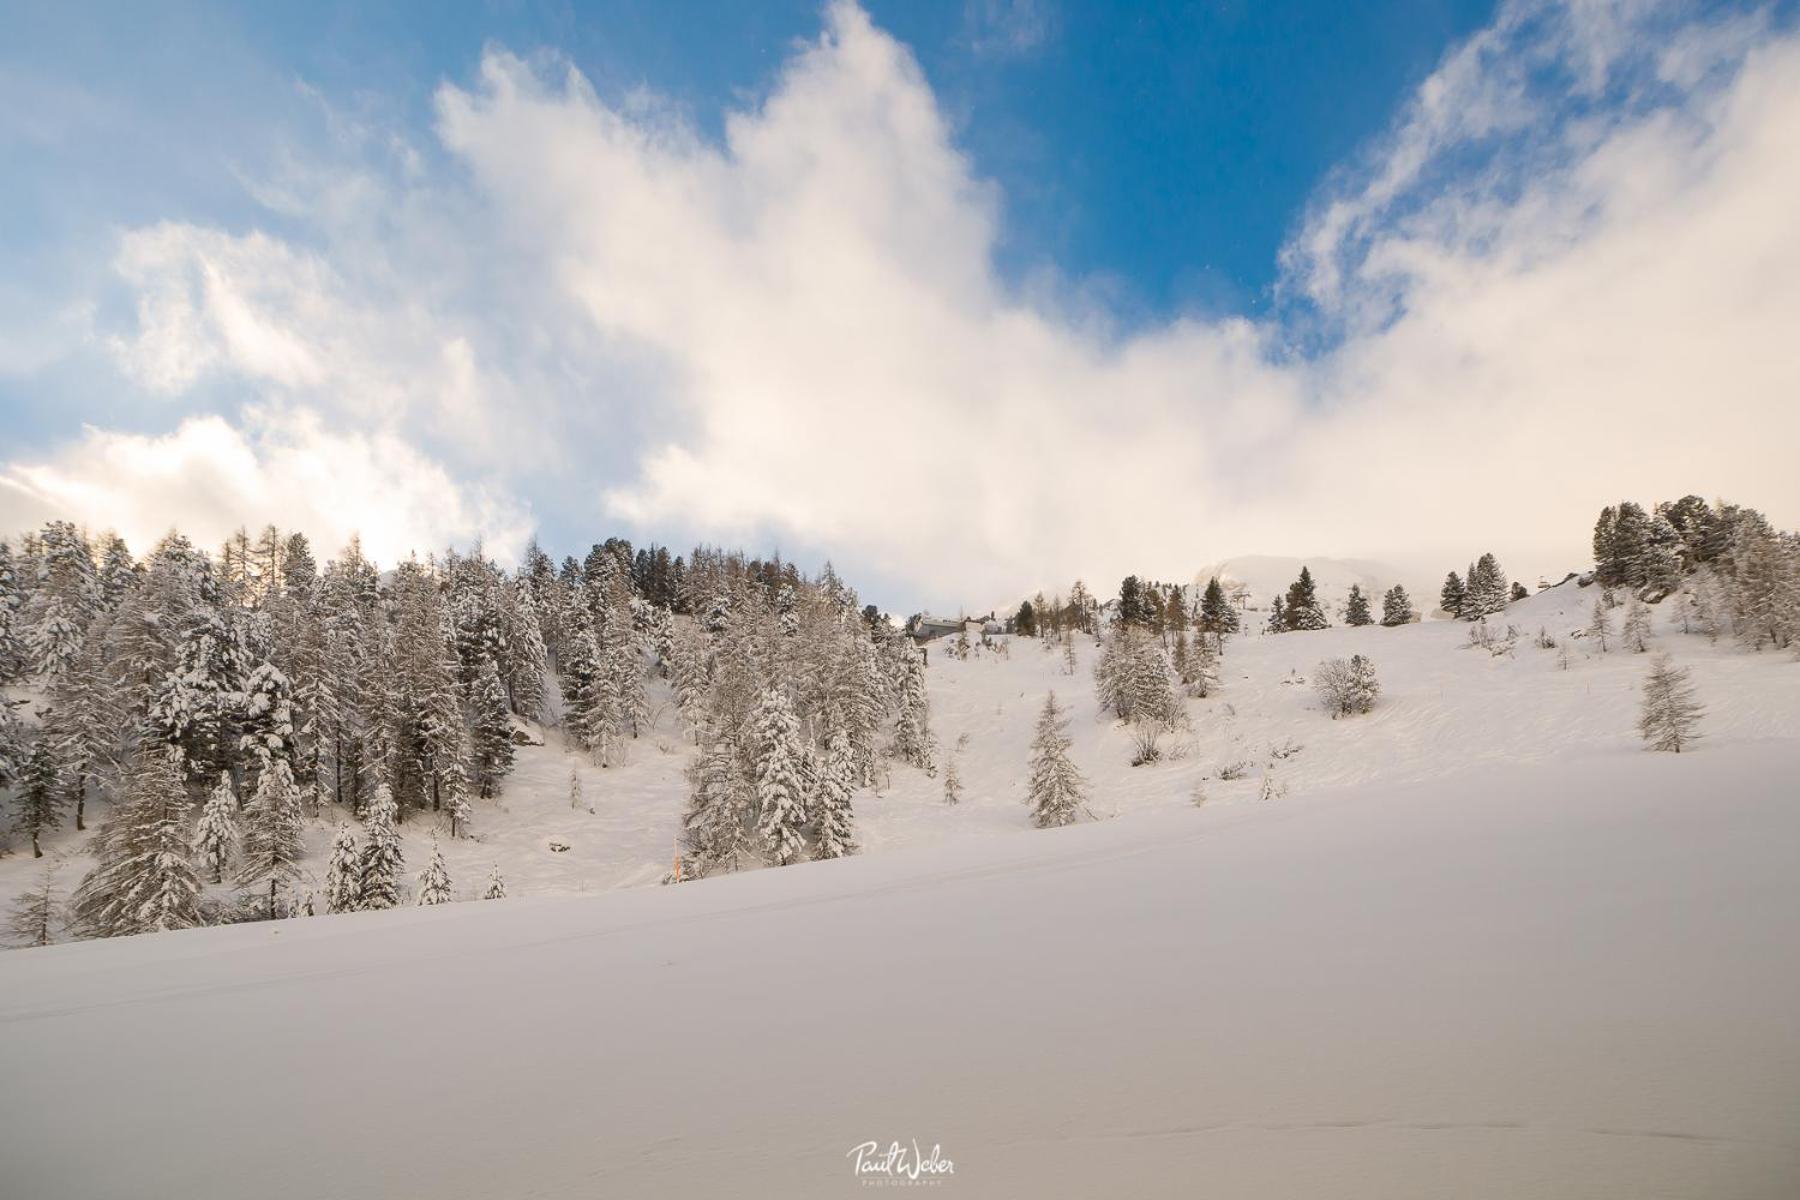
{"x": 1578, "y": 979}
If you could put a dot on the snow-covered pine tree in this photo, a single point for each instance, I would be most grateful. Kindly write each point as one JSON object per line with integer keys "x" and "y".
{"x": 496, "y": 885}
{"x": 434, "y": 880}
{"x": 1396, "y": 607}
{"x": 54, "y": 642}
{"x": 273, "y": 845}
{"x": 1302, "y": 609}
{"x": 912, "y": 733}
{"x": 781, "y": 789}
{"x": 1670, "y": 716}
{"x": 1356, "y": 608}
{"x": 720, "y": 806}
{"x": 1056, "y": 791}
{"x": 1634, "y": 632}
{"x": 216, "y": 834}
{"x": 38, "y": 800}
{"x": 1453, "y": 594}
{"x": 266, "y": 717}
{"x": 1486, "y": 593}
{"x": 145, "y": 880}
{"x": 381, "y": 854}
{"x": 527, "y": 659}
{"x": 343, "y": 873}
{"x": 1599, "y": 625}
{"x": 837, "y": 783}
{"x": 491, "y": 731}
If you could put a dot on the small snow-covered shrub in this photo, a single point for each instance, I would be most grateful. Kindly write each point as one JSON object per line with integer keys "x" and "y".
{"x": 1347, "y": 686}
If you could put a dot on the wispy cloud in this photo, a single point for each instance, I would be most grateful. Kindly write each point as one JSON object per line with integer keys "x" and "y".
{"x": 1567, "y": 266}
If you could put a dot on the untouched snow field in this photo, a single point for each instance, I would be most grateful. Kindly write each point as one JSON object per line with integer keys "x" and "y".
{"x": 1576, "y": 980}
{"x": 1478, "y": 943}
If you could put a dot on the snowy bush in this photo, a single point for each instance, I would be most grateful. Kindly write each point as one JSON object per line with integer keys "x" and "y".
{"x": 1347, "y": 686}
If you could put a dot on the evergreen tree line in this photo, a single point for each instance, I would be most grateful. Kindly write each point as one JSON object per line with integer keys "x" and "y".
{"x": 218, "y": 703}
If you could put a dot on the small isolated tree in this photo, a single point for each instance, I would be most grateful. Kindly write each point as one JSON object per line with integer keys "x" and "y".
{"x": 343, "y": 874}
{"x": 34, "y": 917}
{"x": 382, "y": 857}
{"x": 434, "y": 880}
{"x": 1057, "y": 792}
{"x": 574, "y": 788}
{"x": 1396, "y": 607}
{"x": 496, "y": 886}
{"x": 1634, "y": 632}
{"x": 1670, "y": 717}
{"x": 952, "y": 781}
{"x": 1346, "y": 686}
{"x": 217, "y": 832}
{"x": 1356, "y": 609}
{"x": 1600, "y": 622}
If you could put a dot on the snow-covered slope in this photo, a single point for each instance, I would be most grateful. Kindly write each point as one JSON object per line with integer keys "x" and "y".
{"x": 1445, "y": 707}
{"x": 1573, "y": 978}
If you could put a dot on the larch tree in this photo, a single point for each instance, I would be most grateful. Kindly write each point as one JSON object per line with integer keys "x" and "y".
{"x": 1669, "y": 718}
{"x": 35, "y": 914}
{"x": 1634, "y": 632}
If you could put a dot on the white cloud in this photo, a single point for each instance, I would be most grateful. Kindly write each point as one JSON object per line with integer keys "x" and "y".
{"x": 208, "y": 477}
{"x": 1569, "y": 273}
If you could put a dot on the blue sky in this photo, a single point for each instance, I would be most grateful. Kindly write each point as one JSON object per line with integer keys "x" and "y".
{"x": 397, "y": 234}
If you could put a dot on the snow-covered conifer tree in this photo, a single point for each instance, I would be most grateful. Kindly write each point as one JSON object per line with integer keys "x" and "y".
{"x": 434, "y": 880}
{"x": 381, "y": 854}
{"x": 912, "y": 734}
{"x": 719, "y": 806}
{"x": 273, "y": 846}
{"x": 496, "y": 885}
{"x": 1452, "y": 595}
{"x": 1056, "y": 791}
{"x": 1346, "y": 686}
{"x": 781, "y": 789}
{"x": 1356, "y": 609}
{"x": 952, "y": 781}
{"x": 491, "y": 733}
{"x": 1302, "y": 610}
{"x": 38, "y": 803}
{"x": 343, "y": 873}
{"x": 216, "y": 834}
{"x": 836, "y": 784}
{"x": 145, "y": 879}
{"x": 1396, "y": 607}
{"x": 1670, "y": 716}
